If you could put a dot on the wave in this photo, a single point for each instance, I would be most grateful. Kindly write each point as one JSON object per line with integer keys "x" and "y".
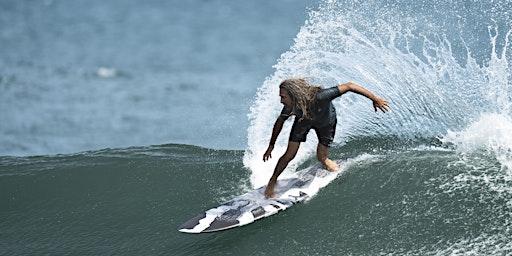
{"x": 490, "y": 134}
{"x": 416, "y": 200}
{"x": 420, "y": 56}
{"x": 442, "y": 155}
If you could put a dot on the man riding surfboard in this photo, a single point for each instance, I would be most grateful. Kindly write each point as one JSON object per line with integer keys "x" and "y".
{"x": 313, "y": 109}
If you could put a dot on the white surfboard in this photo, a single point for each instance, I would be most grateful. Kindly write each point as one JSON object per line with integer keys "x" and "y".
{"x": 253, "y": 205}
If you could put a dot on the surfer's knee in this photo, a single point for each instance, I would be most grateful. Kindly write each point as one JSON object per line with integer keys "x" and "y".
{"x": 291, "y": 151}
{"x": 287, "y": 158}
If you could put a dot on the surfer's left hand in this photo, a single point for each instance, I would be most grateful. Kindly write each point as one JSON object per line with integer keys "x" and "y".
{"x": 382, "y": 104}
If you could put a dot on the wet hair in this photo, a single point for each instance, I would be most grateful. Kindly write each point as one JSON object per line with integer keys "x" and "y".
{"x": 302, "y": 93}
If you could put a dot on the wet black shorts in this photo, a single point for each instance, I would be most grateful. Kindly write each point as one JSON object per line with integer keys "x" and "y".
{"x": 325, "y": 134}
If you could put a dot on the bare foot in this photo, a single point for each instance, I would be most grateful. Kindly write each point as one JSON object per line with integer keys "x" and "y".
{"x": 331, "y": 165}
{"x": 269, "y": 191}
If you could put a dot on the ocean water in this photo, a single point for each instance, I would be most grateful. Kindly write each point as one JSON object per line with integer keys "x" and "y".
{"x": 82, "y": 75}
{"x": 121, "y": 120}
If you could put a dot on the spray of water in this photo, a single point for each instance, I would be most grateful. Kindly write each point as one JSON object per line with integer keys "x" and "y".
{"x": 421, "y": 57}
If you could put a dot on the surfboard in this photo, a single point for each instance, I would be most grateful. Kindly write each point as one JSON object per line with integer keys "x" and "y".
{"x": 253, "y": 205}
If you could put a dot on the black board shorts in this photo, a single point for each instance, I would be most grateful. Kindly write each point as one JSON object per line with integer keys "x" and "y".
{"x": 323, "y": 122}
{"x": 325, "y": 134}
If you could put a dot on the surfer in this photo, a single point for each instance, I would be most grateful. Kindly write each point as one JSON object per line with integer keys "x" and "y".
{"x": 313, "y": 109}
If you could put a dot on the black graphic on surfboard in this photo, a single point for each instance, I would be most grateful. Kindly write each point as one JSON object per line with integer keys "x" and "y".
{"x": 253, "y": 205}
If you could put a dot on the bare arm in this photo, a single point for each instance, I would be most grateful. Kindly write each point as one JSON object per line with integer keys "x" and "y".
{"x": 378, "y": 103}
{"x": 278, "y": 126}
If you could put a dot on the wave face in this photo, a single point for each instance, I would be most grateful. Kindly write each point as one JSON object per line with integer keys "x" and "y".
{"x": 424, "y": 200}
{"x": 126, "y": 201}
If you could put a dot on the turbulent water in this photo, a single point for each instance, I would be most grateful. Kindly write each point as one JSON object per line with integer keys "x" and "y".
{"x": 431, "y": 177}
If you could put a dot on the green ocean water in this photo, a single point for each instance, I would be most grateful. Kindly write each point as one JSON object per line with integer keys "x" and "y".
{"x": 426, "y": 200}
{"x": 124, "y": 201}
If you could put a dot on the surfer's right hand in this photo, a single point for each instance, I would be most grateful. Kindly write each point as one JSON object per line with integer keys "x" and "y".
{"x": 268, "y": 153}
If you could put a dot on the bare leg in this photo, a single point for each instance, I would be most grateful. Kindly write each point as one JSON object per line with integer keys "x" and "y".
{"x": 321, "y": 154}
{"x": 290, "y": 153}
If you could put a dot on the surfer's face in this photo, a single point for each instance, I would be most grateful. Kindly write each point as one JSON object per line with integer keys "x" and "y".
{"x": 286, "y": 100}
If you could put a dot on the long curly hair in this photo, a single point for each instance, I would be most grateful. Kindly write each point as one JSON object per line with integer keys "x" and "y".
{"x": 302, "y": 93}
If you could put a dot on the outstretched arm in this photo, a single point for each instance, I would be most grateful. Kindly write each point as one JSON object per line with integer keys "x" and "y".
{"x": 378, "y": 103}
{"x": 278, "y": 126}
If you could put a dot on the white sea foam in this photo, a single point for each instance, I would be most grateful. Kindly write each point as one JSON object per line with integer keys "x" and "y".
{"x": 106, "y": 72}
{"x": 491, "y": 133}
